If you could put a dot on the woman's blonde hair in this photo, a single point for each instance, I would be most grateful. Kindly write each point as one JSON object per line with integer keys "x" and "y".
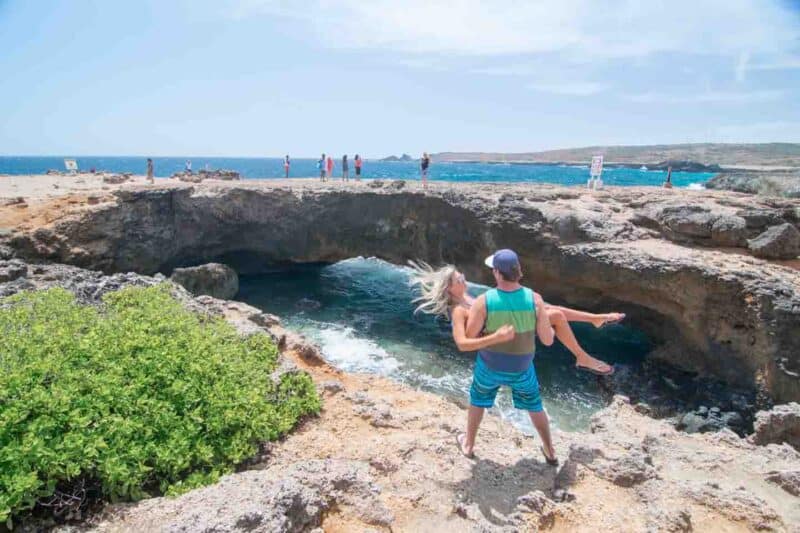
{"x": 434, "y": 285}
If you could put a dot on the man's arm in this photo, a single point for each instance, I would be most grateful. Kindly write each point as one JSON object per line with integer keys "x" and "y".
{"x": 477, "y": 317}
{"x": 543, "y": 328}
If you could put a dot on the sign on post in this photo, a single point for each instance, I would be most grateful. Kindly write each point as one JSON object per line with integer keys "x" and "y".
{"x": 71, "y": 165}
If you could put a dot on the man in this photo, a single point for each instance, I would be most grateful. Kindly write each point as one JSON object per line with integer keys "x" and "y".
{"x": 509, "y": 363}
{"x": 345, "y": 168}
{"x": 321, "y": 165}
{"x": 150, "y": 171}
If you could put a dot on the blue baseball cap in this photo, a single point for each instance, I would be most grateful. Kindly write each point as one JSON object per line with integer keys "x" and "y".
{"x": 503, "y": 260}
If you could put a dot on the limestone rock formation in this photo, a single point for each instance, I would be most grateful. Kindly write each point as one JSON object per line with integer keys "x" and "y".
{"x": 212, "y": 279}
{"x": 777, "y": 242}
{"x": 381, "y": 456}
{"x": 12, "y": 270}
{"x": 778, "y": 425}
{"x": 648, "y": 252}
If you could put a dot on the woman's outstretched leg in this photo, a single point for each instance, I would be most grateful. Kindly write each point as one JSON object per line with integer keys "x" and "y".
{"x": 564, "y": 333}
{"x": 597, "y": 320}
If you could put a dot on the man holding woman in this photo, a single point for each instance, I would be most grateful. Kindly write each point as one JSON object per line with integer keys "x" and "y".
{"x": 502, "y": 325}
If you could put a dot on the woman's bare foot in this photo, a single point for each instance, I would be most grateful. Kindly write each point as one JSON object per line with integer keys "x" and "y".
{"x": 607, "y": 319}
{"x": 595, "y": 366}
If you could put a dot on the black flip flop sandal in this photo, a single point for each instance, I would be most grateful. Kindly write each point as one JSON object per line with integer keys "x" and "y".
{"x": 551, "y": 462}
{"x": 471, "y": 455}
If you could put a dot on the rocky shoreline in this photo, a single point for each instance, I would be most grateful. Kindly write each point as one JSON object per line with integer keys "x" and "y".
{"x": 711, "y": 276}
{"x": 381, "y": 457}
{"x": 784, "y": 183}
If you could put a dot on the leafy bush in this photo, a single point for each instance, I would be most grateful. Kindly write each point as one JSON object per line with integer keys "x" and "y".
{"x": 140, "y": 394}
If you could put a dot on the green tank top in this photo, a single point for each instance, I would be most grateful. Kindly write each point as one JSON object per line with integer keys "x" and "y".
{"x": 517, "y": 308}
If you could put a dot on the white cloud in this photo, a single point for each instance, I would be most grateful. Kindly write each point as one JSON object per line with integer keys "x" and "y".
{"x": 580, "y": 29}
{"x": 729, "y": 97}
{"x": 577, "y": 88}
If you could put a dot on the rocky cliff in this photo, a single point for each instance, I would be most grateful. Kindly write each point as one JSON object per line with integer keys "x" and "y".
{"x": 382, "y": 457}
{"x": 677, "y": 261}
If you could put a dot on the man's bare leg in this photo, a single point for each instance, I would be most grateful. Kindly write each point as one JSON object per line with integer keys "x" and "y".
{"x": 597, "y": 320}
{"x": 474, "y": 417}
{"x": 564, "y": 333}
{"x": 542, "y": 424}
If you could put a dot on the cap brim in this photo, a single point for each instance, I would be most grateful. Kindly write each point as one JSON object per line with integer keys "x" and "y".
{"x": 489, "y": 261}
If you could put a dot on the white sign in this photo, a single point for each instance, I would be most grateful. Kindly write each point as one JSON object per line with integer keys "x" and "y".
{"x": 71, "y": 165}
{"x": 597, "y": 166}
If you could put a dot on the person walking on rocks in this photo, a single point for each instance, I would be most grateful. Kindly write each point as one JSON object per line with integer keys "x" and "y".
{"x": 188, "y": 167}
{"x": 330, "y": 167}
{"x": 321, "y": 165}
{"x": 286, "y": 164}
{"x": 424, "y": 163}
{"x": 345, "y": 169}
{"x": 150, "y": 170}
{"x": 358, "y": 167}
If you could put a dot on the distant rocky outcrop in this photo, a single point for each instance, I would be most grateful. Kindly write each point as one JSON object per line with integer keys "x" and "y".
{"x": 394, "y": 158}
{"x": 773, "y": 183}
{"x": 684, "y": 166}
{"x": 212, "y": 279}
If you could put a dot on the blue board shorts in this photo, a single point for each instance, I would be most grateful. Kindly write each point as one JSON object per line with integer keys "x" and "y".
{"x": 524, "y": 387}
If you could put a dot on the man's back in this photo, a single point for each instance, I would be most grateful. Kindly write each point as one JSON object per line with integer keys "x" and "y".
{"x": 517, "y": 308}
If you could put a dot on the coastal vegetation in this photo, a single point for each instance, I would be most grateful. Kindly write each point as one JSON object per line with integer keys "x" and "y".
{"x": 138, "y": 396}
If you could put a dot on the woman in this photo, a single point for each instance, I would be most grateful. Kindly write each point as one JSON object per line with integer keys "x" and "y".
{"x": 358, "y": 167}
{"x": 286, "y": 164}
{"x": 345, "y": 168}
{"x": 444, "y": 292}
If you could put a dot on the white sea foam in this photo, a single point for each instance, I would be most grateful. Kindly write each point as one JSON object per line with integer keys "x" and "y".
{"x": 696, "y": 187}
{"x": 341, "y": 347}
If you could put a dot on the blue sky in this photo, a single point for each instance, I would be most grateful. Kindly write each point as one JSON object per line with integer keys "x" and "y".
{"x": 262, "y": 78}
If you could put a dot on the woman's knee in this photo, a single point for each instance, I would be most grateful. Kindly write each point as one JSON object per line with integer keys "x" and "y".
{"x": 556, "y": 316}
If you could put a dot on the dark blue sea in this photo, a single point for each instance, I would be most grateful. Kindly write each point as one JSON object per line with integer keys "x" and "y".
{"x": 266, "y": 168}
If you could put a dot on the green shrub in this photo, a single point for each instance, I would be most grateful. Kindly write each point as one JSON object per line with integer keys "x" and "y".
{"x": 137, "y": 395}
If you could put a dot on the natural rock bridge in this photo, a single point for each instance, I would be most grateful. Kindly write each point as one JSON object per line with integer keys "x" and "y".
{"x": 657, "y": 255}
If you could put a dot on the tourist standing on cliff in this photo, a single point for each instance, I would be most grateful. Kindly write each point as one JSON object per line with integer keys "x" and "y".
{"x": 425, "y": 162}
{"x": 345, "y": 168}
{"x": 321, "y": 166}
{"x": 444, "y": 293}
{"x": 188, "y": 167}
{"x": 358, "y": 167}
{"x": 668, "y": 182}
{"x": 150, "y": 170}
{"x": 286, "y": 164}
{"x": 509, "y": 363}
{"x": 330, "y": 167}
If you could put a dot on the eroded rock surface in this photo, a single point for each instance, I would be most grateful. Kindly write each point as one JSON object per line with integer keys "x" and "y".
{"x": 778, "y": 425}
{"x": 382, "y": 457}
{"x": 676, "y": 261}
{"x": 211, "y": 279}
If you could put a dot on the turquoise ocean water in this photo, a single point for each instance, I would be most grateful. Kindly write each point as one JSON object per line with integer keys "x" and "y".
{"x": 360, "y": 313}
{"x": 273, "y": 168}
